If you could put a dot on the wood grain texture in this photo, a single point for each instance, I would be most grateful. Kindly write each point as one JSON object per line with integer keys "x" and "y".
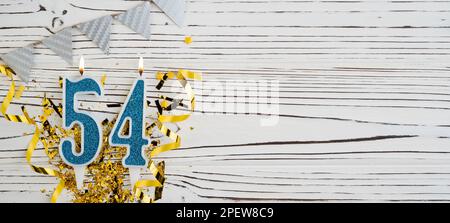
{"x": 364, "y": 106}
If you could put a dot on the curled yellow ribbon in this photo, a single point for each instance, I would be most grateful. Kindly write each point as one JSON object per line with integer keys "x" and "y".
{"x": 158, "y": 173}
{"x": 182, "y": 77}
{"x": 25, "y": 118}
{"x": 164, "y": 105}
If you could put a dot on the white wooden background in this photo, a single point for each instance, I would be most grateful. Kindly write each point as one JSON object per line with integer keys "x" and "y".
{"x": 364, "y": 96}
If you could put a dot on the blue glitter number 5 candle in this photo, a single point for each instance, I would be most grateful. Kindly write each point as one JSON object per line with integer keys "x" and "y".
{"x": 90, "y": 139}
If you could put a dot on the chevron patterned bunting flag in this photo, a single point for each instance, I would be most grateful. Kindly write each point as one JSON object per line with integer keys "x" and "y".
{"x": 21, "y": 60}
{"x": 175, "y": 9}
{"x": 61, "y": 44}
{"x": 99, "y": 31}
{"x": 138, "y": 19}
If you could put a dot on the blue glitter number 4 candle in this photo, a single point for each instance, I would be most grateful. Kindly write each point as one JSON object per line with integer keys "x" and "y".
{"x": 135, "y": 141}
{"x": 90, "y": 139}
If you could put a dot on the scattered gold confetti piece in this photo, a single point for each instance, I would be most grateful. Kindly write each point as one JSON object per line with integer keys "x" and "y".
{"x": 188, "y": 40}
{"x": 103, "y": 80}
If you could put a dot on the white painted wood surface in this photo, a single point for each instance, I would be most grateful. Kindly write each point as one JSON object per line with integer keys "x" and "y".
{"x": 364, "y": 96}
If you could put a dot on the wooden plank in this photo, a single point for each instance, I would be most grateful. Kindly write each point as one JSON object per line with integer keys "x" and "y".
{"x": 361, "y": 100}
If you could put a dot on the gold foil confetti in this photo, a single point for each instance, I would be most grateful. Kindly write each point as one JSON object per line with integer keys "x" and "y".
{"x": 188, "y": 40}
{"x": 103, "y": 80}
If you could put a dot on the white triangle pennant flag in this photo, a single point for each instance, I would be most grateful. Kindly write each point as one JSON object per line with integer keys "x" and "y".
{"x": 138, "y": 19}
{"x": 21, "y": 60}
{"x": 99, "y": 31}
{"x": 61, "y": 44}
{"x": 175, "y": 9}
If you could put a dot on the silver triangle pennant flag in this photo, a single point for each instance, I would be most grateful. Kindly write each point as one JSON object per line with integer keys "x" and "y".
{"x": 61, "y": 44}
{"x": 175, "y": 9}
{"x": 21, "y": 60}
{"x": 99, "y": 31}
{"x": 138, "y": 19}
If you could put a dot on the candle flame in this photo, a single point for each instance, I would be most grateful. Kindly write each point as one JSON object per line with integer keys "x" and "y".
{"x": 81, "y": 66}
{"x": 141, "y": 65}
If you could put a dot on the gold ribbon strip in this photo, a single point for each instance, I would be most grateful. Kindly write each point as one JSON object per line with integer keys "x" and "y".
{"x": 59, "y": 188}
{"x": 158, "y": 171}
{"x": 12, "y": 93}
{"x": 182, "y": 77}
{"x": 25, "y": 118}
